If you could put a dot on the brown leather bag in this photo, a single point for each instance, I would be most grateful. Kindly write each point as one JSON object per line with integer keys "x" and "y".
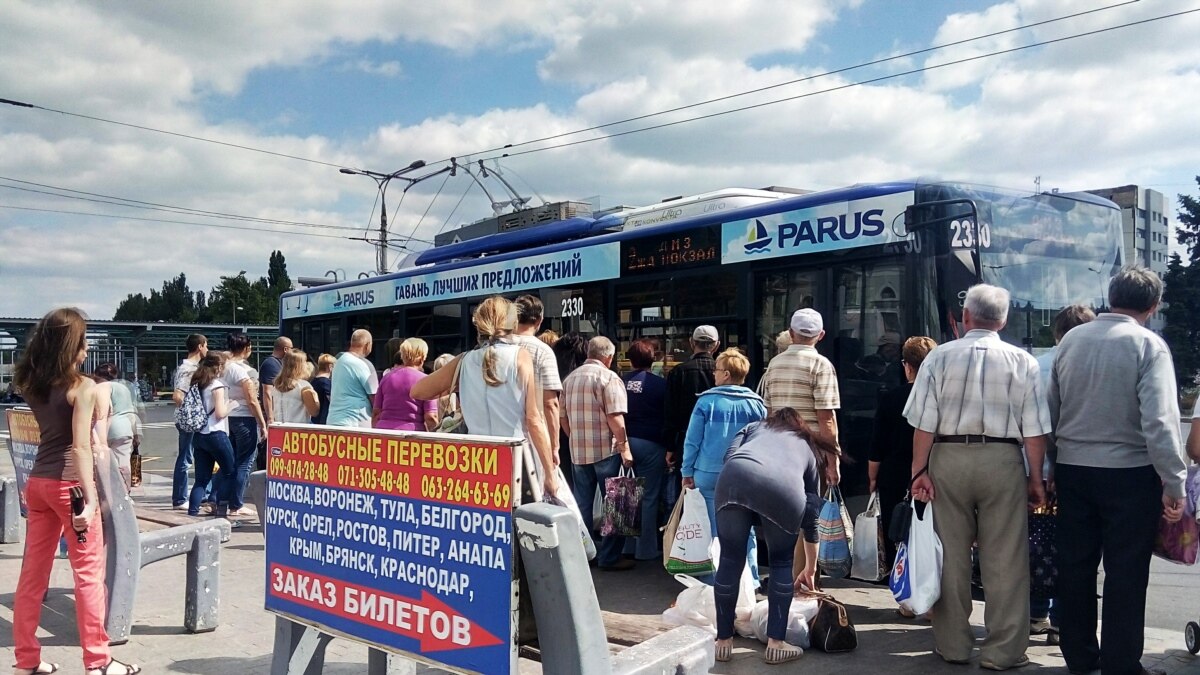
{"x": 831, "y": 630}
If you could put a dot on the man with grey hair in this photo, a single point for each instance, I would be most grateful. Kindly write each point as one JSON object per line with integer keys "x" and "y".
{"x": 975, "y": 401}
{"x": 1120, "y": 467}
{"x": 353, "y": 384}
{"x": 594, "y": 407}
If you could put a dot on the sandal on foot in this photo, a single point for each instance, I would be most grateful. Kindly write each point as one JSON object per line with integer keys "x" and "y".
{"x": 778, "y": 655}
{"x": 42, "y": 668}
{"x": 724, "y": 652}
{"x": 127, "y": 669}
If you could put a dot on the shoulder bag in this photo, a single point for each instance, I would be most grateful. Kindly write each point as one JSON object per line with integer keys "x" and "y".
{"x": 831, "y": 631}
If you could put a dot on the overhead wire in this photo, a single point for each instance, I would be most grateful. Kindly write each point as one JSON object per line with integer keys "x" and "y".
{"x": 174, "y": 222}
{"x": 99, "y": 198}
{"x": 582, "y": 130}
{"x": 807, "y": 78}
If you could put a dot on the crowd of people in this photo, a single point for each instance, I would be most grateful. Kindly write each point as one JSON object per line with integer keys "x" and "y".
{"x": 975, "y": 425}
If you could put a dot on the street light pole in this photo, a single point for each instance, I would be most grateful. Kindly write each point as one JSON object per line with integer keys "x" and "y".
{"x": 382, "y": 180}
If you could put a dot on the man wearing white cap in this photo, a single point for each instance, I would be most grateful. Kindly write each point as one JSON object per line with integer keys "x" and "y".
{"x": 685, "y": 383}
{"x": 802, "y": 379}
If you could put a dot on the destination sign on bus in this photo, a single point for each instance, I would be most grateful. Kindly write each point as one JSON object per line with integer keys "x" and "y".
{"x": 679, "y": 250}
{"x": 829, "y": 227}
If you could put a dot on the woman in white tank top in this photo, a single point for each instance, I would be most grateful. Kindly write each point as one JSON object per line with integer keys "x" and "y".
{"x": 497, "y": 388}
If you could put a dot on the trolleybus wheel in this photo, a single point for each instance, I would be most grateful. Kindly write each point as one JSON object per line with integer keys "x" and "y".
{"x": 1191, "y": 634}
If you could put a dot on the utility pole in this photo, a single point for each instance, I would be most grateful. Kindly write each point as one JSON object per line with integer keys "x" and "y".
{"x": 382, "y": 180}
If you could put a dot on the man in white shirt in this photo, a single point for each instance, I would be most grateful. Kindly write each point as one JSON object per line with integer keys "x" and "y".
{"x": 197, "y": 346}
{"x": 975, "y": 401}
{"x": 354, "y": 383}
{"x": 545, "y": 365}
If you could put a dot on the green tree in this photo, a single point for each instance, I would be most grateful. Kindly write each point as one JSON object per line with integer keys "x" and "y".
{"x": 1182, "y": 294}
{"x": 258, "y": 300}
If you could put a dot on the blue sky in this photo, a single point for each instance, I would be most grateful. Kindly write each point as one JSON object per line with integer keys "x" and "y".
{"x": 378, "y": 84}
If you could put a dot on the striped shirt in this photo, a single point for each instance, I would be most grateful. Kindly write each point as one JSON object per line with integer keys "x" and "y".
{"x": 979, "y": 384}
{"x": 802, "y": 379}
{"x": 590, "y": 394}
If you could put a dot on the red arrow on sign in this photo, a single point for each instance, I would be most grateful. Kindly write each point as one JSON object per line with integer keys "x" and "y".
{"x": 435, "y": 624}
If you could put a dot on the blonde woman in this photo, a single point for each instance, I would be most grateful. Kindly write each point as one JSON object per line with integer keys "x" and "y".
{"x": 295, "y": 400}
{"x": 498, "y": 390}
{"x": 323, "y": 385}
{"x": 446, "y": 405}
{"x": 394, "y": 406}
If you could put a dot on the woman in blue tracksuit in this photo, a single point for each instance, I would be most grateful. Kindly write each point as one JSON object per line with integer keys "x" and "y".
{"x": 720, "y": 413}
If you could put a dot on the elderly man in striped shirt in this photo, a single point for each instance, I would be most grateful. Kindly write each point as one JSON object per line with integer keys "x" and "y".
{"x": 976, "y": 400}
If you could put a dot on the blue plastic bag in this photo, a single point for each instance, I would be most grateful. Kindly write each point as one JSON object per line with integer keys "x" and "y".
{"x": 834, "y": 533}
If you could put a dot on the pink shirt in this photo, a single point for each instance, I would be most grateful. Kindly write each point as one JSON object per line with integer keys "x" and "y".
{"x": 399, "y": 410}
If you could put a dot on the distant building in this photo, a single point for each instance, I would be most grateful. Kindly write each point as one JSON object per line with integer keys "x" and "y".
{"x": 1148, "y": 230}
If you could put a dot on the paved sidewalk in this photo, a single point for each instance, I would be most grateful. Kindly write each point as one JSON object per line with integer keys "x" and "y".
{"x": 243, "y": 642}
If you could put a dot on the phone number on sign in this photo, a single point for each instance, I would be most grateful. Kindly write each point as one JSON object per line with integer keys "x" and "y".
{"x": 281, "y": 467}
{"x": 466, "y": 492}
{"x": 364, "y": 478}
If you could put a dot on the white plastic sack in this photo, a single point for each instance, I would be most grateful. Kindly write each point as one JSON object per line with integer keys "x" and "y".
{"x": 869, "y": 558}
{"x": 916, "y": 580}
{"x": 745, "y": 600}
{"x": 800, "y": 613}
{"x": 691, "y": 538}
{"x": 694, "y": 606}
{"x": 562, "y": 497}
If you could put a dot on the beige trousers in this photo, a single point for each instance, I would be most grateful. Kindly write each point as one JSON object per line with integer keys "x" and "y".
{"x": 980, "y": 496}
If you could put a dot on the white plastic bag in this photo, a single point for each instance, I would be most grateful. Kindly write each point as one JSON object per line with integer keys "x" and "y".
{"x": 869, "y": 563}
{"x": 916, "y": 580}
{"x": 689, "y": 537}
{"x": 800, "y": 613}
{"x": 563, "y": 497}
{"x": 694, "y": 606}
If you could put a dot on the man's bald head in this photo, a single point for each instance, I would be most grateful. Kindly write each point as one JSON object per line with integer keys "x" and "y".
{"x": 361, "y": 338}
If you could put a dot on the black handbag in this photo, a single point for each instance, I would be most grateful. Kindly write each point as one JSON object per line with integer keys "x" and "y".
{"x": 901, "y": 520}
{"x": 831, "y": 631}
{"x": 1043, "y": 564}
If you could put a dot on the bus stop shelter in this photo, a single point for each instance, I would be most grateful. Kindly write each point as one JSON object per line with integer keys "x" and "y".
{"x": 138, "y": 348}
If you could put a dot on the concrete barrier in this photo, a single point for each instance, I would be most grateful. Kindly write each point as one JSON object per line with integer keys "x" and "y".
{"x": 10, "y": 511}
{"x": 129, "y": 550}
{"x": 571, "y": 632}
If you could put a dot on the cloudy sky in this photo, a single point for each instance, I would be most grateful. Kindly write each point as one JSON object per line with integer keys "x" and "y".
{"x": 315, "y": 85}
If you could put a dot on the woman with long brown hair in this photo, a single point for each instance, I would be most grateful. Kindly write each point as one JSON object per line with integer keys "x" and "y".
{"x": 63, "y": 402}
{"x": 759, "y": 487}
{"x": 212, "y": 445}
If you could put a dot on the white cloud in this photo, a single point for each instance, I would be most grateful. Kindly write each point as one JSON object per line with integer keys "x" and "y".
{"x": 388, "y": 69}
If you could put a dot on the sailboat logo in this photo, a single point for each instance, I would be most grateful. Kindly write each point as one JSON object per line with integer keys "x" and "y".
{"x": 757, "y": 239}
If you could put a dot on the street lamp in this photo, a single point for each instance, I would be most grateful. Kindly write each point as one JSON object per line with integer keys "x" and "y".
{"x": 382, "y": 180}
{"x": 236, "y": 307}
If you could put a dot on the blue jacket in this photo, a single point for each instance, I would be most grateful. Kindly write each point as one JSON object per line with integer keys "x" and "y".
{"x": 719, "y": 414}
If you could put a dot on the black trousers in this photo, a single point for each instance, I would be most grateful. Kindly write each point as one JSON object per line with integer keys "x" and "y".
{"x": 1111, "y": 514}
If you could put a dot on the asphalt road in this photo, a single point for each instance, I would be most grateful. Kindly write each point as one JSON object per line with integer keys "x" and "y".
{"x": 1173, "y": 598}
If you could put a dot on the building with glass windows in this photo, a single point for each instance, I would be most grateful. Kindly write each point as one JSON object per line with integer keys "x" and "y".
{"x": 1147, "y": 229}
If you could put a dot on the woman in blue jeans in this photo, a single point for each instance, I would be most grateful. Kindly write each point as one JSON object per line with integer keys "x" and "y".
{"x": 247, "y": 426}
{"x": 211, "y": 444}
{"x": 759, "y": 486}
{"x": 647, "y": 394}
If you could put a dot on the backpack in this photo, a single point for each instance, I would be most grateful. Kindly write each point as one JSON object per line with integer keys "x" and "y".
{"x": 191, "y": 415}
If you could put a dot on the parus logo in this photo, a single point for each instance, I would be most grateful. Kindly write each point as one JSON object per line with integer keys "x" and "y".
{"x": 757, "y": 239}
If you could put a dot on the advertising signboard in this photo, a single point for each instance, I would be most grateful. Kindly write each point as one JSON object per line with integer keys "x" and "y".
{"x": 399, "y": 540}
{"x": 23, "y": 439}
